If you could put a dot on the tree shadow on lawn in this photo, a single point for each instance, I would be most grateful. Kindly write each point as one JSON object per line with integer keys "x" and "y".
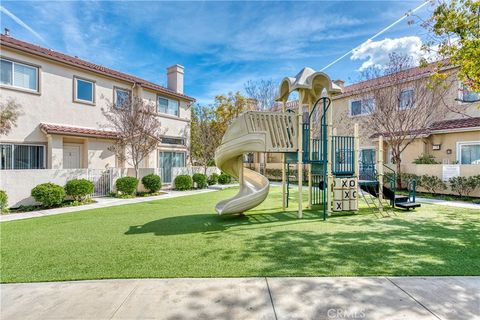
{"x": 354, "y": 245}
{"x": 206, "y": 223}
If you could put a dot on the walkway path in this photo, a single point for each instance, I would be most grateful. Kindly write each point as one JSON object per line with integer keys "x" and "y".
{"x": 247, "y": 298}
{"x": 457, "y": 204}
{"x": 101, "y": 203}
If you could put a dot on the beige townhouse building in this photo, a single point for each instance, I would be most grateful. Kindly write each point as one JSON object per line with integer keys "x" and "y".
{"x": 62, "y": 125}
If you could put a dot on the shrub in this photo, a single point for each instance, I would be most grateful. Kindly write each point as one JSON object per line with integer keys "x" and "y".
{"x": 152, "y": 182}
{"x": 200, "y": 179}
{"x": 48, "y": 194}
{"x": 127, "y": 185}
{"x": 79, "y": 189}
{"x": 224, "y": 178}
{"x": 463, "y": 185}
{"x": 425, "y": 159}
{"x": 432, "y": 183}
{"x": 213, "y": 179}
{"x": 183, "y": 182}
{"x": 3, "y": 201}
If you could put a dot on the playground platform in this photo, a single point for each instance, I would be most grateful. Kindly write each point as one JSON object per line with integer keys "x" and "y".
{"x": 246, "y": 298}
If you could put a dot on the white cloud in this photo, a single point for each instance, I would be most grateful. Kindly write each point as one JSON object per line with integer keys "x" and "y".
{"x": 376, "y": 53}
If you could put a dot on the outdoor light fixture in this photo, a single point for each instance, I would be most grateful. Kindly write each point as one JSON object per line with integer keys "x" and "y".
{"x": 449, "y": 151}
{"x": 436, "y": 147}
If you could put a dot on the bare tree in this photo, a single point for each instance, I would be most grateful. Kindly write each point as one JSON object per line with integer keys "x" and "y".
{"x": 401, "y": 105}
{"x": 139, "y": 130}
{"x": 263, "y": 92}
{"x": 10, "y": 110}
{"x": 205, "y": 136}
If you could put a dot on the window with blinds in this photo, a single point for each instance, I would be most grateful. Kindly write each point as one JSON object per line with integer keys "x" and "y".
{"x": 19, "y": 156}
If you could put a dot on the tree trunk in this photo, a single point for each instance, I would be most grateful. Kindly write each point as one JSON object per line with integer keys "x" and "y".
{"x": 398, "y": 162}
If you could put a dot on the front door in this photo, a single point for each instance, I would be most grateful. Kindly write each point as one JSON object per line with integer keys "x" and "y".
{"x": 71, "y": 156}
{"x": 367, "y": 164}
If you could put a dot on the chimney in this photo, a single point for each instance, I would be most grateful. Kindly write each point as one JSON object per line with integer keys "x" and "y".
{"x": 7, "y": 32}
{"x": 175, "y": 78}
{"x": 339, "y": 83}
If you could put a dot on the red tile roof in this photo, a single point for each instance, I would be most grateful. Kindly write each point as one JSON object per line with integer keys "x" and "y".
{"x": 464, "y": 123}
{"x": 384, "y": 80}
{"x": 10, "y": 42}
{"x": 455, "y": 124}
{"x": 51, "y": 128}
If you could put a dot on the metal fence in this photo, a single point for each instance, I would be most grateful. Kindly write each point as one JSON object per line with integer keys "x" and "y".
{"x": 103, "y": 180}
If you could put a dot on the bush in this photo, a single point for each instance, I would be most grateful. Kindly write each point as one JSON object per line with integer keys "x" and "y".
{"x": 213, "y": 179}
{"x": 127, "y": 185}
{"x": 3, "y": 202}
{"x": 463, "y": 186}
{"x": 48, "y": 194}
{"x": 224, "y": 178}
{"x": 432, "y": 183}
{"x": 200, "y": 179}
{"x": 425, "y": 159}
{"x": 152, "y": 182}
{"x": 79, "y": 189}
{"x": 183, "y": 182}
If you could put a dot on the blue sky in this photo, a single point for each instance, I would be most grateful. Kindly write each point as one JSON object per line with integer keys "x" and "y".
{"x": 221, "y": 44}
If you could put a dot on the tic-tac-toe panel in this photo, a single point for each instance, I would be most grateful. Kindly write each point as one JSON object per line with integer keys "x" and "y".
{"x": 345, "y": 194}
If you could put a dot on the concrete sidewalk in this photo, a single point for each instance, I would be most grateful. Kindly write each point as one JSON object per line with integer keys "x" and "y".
{"x": 456, "y": 204}
{"x": 247, "y": 298}
{"x": 101, "y": 203}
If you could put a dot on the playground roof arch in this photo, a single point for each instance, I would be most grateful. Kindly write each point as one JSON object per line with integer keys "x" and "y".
{"x": 309, "y": 82}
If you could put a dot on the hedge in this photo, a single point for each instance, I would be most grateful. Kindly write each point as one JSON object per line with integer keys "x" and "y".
{"x": 183, "y": 182}
{"x": 127, "y": 185}
{"x": 200, "y": 179}
{"x": 79, "y": 189}
{"x": 48, "y": 194}
{"x": 152, "y": 182}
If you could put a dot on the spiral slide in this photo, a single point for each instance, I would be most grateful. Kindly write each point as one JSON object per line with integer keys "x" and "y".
{"x": 253, "y": 131}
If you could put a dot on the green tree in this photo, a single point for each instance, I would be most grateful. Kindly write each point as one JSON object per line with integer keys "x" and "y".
{"x": 455, "y": 30}
{"x": 228, "y": 107}
{"x": 205, "y": 135}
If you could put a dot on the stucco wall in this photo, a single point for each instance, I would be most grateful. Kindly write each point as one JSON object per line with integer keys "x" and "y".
{"x": 54, "y": 104}
{"x": 436, "y": 170}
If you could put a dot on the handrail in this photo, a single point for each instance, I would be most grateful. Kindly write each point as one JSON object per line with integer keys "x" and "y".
{"x": 393, "y": 183}
{"x": 412, "y": 190}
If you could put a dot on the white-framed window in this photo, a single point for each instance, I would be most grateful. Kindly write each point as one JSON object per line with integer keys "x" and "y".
{"x": 18, "y": 75}
{"x": 121, "y": 96}
{"x": 168, "y": 106}
{"x": 84, "y": 90}
{"x": 21, "y": 156}
{"x": 468, "y": 152}
{"x": 407, "y": 99}
{"x": 362, "y": 107}
{"x": 465, "y": 94}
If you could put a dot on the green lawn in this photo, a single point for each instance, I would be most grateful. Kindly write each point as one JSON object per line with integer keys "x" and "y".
{"x": 183, "y": 237}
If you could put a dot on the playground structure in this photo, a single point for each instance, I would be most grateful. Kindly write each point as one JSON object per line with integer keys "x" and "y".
{"x": 331, "y": 161}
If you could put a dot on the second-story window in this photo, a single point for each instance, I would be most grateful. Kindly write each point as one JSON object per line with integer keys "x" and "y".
{"x": 407, "y": 99}
{"x": 121, "y": 97}
{"x": 362, "y": 107}
{"x": 168, "y": 106}
{"x": 468, "y": 95}
{"x": 84, "y": 90}
{"x": 18, "y": 75}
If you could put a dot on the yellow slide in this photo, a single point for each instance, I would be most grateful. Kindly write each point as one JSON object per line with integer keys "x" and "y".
{"x": 253, "y": 131}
